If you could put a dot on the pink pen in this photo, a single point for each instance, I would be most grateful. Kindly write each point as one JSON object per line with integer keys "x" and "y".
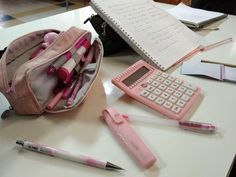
{"x": 200, "y": 127}
{"x": 83, "y": 159}
{"x": 64, "y": 58}
{"x": 127, "y": 136}
{"x": 65, "y": 70}
{"x": 75, "y": 91}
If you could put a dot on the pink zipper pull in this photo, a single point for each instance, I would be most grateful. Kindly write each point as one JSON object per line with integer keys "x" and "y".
{"x": 9, "y": 91}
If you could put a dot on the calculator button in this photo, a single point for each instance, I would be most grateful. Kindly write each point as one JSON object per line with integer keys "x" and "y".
{"x": 159, "y": 101}
{"x": 172, "y": 99}
{"x": 174, "y": 85}
{"x": 144, "y": 85}
{"x": 180, "y": 103}
{"x": 189, "y": 92}
{"x": 154, "y": 76}
{"x": 178, "y": 81}
{"x": 188, "y": 85}
{"x": 176, "y": 109}
{"x": 182, "y": 89}
{"x": 177, "y": 94}
{"x": 167, "y": 105}
{"x": 150, "y": 81}
{"x": 157, "y": 92}
{"x": 150, "y": 88}
{"x": 170, "y": 90}
{"x": 165, "y": 95}
{"x": 171, "y": 78}
{"x": 160, "y": 79}
{"x": 158, "y": 73}
{"x": 152, "y": 97}
{"x": 185, "y": 97}
{"x": 144, "y": 93}
{"x": 155, "y": 83}
{"x": 165, "y": 75}
{"x": 167, "y": 82}
{"x": 162, "y": 87}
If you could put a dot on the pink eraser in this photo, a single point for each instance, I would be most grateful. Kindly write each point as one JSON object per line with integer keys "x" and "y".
{"x": 128, "y": 137}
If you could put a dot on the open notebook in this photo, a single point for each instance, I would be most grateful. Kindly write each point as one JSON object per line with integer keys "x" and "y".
{"x": 152, "y": 32}
{"x": 193, "y": 17}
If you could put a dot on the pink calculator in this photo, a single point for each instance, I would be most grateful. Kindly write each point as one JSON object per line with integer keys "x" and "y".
{"x": 161, "y": 91}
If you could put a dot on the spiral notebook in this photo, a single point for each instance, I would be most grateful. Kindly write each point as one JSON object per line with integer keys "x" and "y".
{"x": 158, "y": 37}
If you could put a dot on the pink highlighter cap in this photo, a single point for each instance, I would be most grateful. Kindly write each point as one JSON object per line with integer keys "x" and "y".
{"x": 63, "y": 73}
{"x": 86, "y": 44}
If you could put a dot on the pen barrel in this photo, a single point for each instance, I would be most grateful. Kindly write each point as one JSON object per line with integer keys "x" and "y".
{"x": 79, "y": 158}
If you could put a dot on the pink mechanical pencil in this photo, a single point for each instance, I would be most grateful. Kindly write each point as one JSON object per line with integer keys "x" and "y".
{"x": 65, "y": 70}
{"x": 64, "y": 58}
{"x": 88, "y": 59}
{"x": 77, "y": 87}
{"x": 83, "y": 159}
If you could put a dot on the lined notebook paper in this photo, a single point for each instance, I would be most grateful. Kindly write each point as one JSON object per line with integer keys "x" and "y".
{"x": 154, "y": 34}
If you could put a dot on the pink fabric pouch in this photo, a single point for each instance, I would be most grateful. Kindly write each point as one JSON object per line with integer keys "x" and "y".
{"x": 25, "y": 82}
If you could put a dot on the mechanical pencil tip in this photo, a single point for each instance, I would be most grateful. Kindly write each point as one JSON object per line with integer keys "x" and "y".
{"x": 20, "y": 142}
{"x": 111, "y": 166}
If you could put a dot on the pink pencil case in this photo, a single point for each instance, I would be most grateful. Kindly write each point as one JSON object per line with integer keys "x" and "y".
{"x": 27, "y": 85}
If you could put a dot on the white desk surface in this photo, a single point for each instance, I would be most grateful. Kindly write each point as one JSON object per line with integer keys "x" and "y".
{"x": 179, "y": 153}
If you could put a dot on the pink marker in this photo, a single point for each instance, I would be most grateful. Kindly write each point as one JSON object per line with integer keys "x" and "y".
{"x": 55, "y": 100}
{"x": 65, "y": 70}
{"x": 64, "y": 58}
{"x": 78, "y": 85}
{"x": 83, "y": 159}
{"x": 128, "y": 137}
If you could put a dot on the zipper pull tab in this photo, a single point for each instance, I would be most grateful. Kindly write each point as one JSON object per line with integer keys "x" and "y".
{"x": 103, "y": 26}
{"x": 9, "y": 91}
{"x": 88, "y": 19}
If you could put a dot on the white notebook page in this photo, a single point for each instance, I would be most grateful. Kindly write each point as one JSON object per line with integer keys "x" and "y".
{"x": 162, "y": 36}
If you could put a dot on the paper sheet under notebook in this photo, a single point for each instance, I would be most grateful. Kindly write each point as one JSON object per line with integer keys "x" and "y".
{"x": 215, "y": 71}
{"x": 194, "y": 17}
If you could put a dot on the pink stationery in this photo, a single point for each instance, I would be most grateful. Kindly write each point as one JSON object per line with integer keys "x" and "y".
{"x": 128, "y": 137}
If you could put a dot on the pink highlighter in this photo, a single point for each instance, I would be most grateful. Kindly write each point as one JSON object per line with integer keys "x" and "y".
{"x": 64, "y": 71}
{"x": 128, "y": 137}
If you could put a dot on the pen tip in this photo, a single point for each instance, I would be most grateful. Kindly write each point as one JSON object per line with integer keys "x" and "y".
{"x": 113, "y": 166}
{"x": 20, "y": 142}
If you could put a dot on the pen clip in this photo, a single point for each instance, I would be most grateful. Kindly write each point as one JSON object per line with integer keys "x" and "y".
{"x": 113, "y": 114}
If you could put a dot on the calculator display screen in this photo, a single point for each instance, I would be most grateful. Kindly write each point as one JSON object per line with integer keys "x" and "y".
{"x": 135, "y": 76}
